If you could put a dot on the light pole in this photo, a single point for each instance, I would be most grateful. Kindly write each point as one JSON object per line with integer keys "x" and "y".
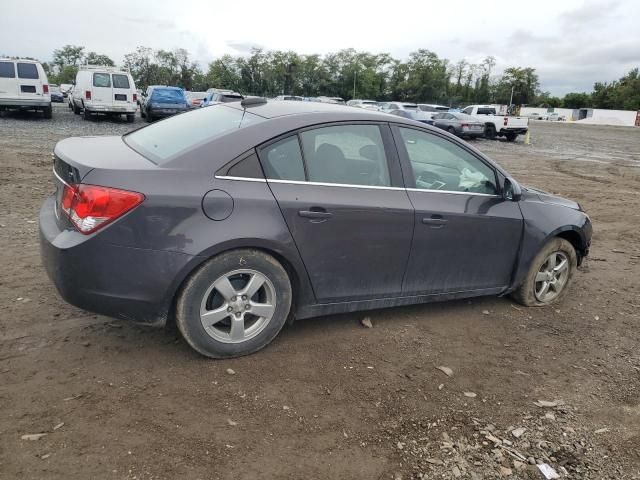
{"x": 355, "y": 75}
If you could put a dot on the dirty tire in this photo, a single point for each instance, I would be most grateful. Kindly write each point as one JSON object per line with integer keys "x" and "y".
{"x": 47, "y": 112}
{"x": 192, "y": 294}
{"x": 87, "y": 115}
{"x": 131, "y": 118}
{"x": 490, "y": 132}
{"x": 525, "y": 294}
{"x": 511, "y": 137}
{"x": 76, "y": 109}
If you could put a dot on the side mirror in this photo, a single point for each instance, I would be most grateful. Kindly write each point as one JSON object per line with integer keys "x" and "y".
{"x": 512, "y": 190}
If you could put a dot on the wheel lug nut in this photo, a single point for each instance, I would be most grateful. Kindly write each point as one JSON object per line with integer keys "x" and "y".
{"x": 247, "y": 307}
{"x": 233, "y": 299}
{"x": 237, "y": 314}
{"x": 229, "y": 309}
{"x": 244, "y": 297}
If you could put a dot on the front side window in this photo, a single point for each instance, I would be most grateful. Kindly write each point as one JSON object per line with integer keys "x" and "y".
{"x": 7, "y": 70}
{"x": 468, "y": 110}
{"x": 102, "y": 80}
{"x": 120, "y": 81}
{"x": 28, "y": 70}
{"x": 283, "y": 160}
{"x": 347, "y": 154}
{"x": 439, "y": 164}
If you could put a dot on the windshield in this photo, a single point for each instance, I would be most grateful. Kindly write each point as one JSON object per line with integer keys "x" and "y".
{"x": 164, "y": 140}
{"x": 168, "y": 95}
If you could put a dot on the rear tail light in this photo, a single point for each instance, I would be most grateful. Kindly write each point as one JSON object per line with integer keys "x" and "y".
{"x": 506, "y": 120}
{"x": 91, "y": 207}
{"x": 87, "y": 94}
{"x": 45, "y": 89}
{"x": 135, "y": 97}
{"x": 464, "y": 125}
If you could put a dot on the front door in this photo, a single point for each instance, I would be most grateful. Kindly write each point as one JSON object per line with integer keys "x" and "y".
{"x": 466, "y": 235}
{"x": 348, "y": 215}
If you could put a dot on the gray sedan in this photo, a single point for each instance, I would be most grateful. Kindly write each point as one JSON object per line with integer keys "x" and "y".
{"x": 459, "y": 124}
{"x": 232, "y": 219}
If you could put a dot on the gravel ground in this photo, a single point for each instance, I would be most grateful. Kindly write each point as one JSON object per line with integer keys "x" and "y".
{"x": 330, "y": 398}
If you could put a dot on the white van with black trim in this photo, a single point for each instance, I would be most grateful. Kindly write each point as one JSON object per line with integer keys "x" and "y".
{"x": 24, "y": 86}
{"x": 104, "y": 90}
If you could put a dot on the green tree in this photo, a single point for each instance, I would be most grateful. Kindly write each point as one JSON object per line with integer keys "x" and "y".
{"x": 576, "y": 100}
{"x": 68, "y": 55}
{"x": 93, "y": 58}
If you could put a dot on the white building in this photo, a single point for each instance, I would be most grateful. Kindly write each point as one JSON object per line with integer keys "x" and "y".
{"x": 595, "y": 116}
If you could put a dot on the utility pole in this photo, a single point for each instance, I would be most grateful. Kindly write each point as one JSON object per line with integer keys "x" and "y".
{"x": 355, "y": 75}
{"x": 511, "y": 99}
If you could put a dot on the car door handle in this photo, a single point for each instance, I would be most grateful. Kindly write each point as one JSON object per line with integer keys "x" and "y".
{"x": 315, "y": 213}
{"x": 434, "y": 221}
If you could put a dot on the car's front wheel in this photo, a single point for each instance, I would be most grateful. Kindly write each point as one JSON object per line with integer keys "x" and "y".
{"x": 549, "y": 276}
{"x": 235, "y": 304}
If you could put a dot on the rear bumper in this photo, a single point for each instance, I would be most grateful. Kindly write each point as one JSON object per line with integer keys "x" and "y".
{"x": 25, "y": 103}
{"x": 519, "y": 130}
{"x": 122, "y": 282}
{"x": 161, "y": 114}
{"x": 122, "y": 109}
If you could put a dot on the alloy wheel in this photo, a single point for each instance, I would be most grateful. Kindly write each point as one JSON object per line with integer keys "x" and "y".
{"x": 238, "y": 306}
{"x": 552, "y": 277}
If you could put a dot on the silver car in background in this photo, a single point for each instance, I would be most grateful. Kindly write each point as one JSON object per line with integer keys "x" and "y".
{"x": 459, "y": 124}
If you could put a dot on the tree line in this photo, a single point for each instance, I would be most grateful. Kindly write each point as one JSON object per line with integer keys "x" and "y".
{"x": 348, "y": 73}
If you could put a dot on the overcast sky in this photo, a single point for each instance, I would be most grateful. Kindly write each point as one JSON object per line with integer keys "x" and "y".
{"x": 571, "y": 43}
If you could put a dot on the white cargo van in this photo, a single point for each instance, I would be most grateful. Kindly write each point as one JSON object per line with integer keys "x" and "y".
{"x": 24, "y": 86}
{"x": 104, "y": 90}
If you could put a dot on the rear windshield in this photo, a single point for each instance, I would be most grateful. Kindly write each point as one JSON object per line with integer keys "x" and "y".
{"x": 168, "y": 95}
{"x": 486, "y": 111}
{"x": 27, "y": 70}
{"x": 164, "y": 140}
{"x": 102, "y": 80}
{"x": 120, "y": 81}
{"x": 7, "y": 70}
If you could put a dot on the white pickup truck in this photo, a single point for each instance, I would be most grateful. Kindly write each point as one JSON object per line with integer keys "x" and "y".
{"x": 498, "y": 125}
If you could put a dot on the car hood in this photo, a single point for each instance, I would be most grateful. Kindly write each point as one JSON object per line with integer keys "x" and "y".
{"x": 554, "y": 199}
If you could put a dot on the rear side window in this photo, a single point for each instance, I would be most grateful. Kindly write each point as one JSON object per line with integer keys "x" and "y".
{"x": 348, "y": 154}
{"x": 120, "y": 81}
{"x": 283, "y": 160}
{"x": 486, "y": 111}
{"x": 7, "y": 70}
{"x": 28, "y": 70}
{"x": 161, "y": 141}
{"x": 168, "y": 95}
{"x": 102, "y": 80}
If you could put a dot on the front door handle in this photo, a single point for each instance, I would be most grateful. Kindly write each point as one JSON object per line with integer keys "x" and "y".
{"x": 435, "y": 221}
{"x": 316, "y": 213}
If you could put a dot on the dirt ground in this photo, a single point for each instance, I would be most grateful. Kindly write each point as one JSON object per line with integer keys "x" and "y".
{"x": 330, "y": 399}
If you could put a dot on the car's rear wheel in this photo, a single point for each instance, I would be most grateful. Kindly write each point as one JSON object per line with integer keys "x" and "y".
{"x": 235, "y": 304}
{"x": 451, "y": 130}
{"x": 511, "y": 137}
{"x": 76, "y": 109}
{"x": 149, "y": 116}
{"x": 47, "y": 112}
{"x": 131, "y": 117}
{"x": 549, "y": 276}
{"x": 490, "y": 132}
{"x": 87, "y": 115}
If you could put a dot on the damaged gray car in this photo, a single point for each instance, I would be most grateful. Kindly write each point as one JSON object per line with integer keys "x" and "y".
{"x": 232, "y": 219}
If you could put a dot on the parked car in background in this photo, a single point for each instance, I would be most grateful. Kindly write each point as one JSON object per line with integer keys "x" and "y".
{"x": 556, "y": 117}
{"x": 389, "y": 106}
{"x": 101, "y": 90}
{"x": 194, "y": 99}
{"x": 24, "y": 86}
{"x": 161, "y": 101}
{"x": 215, "y": 95}
{"x": 430, "y": 107}
{"x": 498, "y": 125}
{"x": 538, "y": 116}
{"x": 56, "y": 94}
{"x": 338, "y": 100}
{"x": 360, "y": 103}
{"x": 65, "y": 88}
{"x": 295, "y": 98}
{"x": 459, "y": 124}
{"x": 418, "y": 116}
{"x": 234, "y": 218}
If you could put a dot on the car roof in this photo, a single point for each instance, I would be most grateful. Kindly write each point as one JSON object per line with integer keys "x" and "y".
{"x": 325, "y": 112}
{"x": 21, "y": 60}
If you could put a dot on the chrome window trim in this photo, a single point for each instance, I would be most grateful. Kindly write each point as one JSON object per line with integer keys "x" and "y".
{"x": 324, "y": 184}
{"x": 242, "y": 179}
{"x": 349, "y": 185}
{"x": 453, "y": 192}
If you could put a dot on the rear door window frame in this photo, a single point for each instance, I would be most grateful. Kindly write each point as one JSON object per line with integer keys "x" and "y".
{"x": 23, "y": 64}
{"x": 13, "y": 70}
{"x": 390, "y": 151}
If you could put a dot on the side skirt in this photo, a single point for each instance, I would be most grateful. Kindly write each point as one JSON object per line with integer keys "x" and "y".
{"x": 308, "y": 311}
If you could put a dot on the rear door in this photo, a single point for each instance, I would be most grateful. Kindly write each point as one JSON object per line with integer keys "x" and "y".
{"x": 466, "y": 235}
{"x": 339, "y": 189}
{"x": 122, "y": 90}
{"x": 9, "y": 88}
{"x": 102, "y": 89}
{"x": 29, "y": 81}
